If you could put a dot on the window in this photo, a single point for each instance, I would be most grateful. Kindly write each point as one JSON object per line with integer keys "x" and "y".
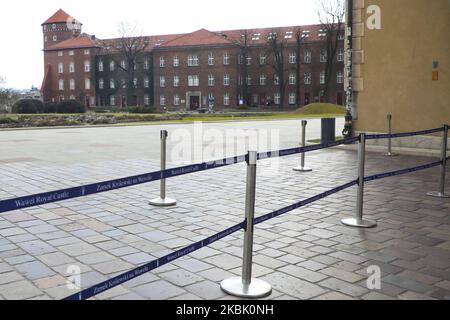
{"x": 307, "y": 78}
{"x": 226, "y": 80}
{"x": 100, "y": 66}
{"x": 262, "y": 59}
{"x": 100, "y": 83}
{"x": 162, "y": 100}
{"x": 277, "y": 98}
{"x": 123, "y": 64}
{"x": 162, "y": 81}
{"x": 306, "y": 33}
{"x": 226, "y": 99}
{"x": 54, "y": 26}
{"x": 55, "y": 38}
{"x": 226, "y": 58}
{"x": 211, "y": 99}
{"x": 176, "y": 100}
{"x": 60, "y": 53}
{"x": 249, "y": 80}
{"x": 272, "y": 35}
{"x": 307, "y": 57}
{"x": 176, "y": 61}
{"x": 292, "y": 98}
{"x": 240, "y": 80}
{"x": 322, "y": 77}
{"x": 323, "y": 55}
{"x": 135, "y": 82}
{"x": 123, "y": 83}
{"x": 211, "y": 80}
{"x": 45, "y": 38}
{"x": 146, "y": 99}
{"x": 176, "y": 81}
{"x": 341, "y": 36}
{"x": 210, "y": 59}
{"x": 340, "y": 77}
{"x": 162, "y": 62}
{"x": 72, "y": 84}
{"x": 112, "y": 100}
{"x": 146, "y": 64}
{"x": 60, "y": 67}
{"x": 249, "y": 60}
{"x": 193, "y": 60}
{"x": 71, "y": 53}
{"x": 322, "y": 33}
{"x": 146, "y": 82}
{"x": 61, "y": 84}
{"x": 276, "y": 80}
{"x": 112, "y": 66}
{"x": 240, "y": 59}
{"x": 193, "y": 81}
{"x": 87, "y": 66}
{"x": 262, "y": 80}
{"x": 288, "y": 35}
{"x": 292, "y": 58}
{"x": 72, "y": 97}
{"x": 340, "y": 54}
{"x": 45, "y": 27}
{"x": 256, "y": 36}
{"x": 87, "y": 52}
{"x": 87, "y": 84}
{"x": 292, "y": 78}
{"x": 112, "y": 85}
{"x": 61, "y": 98}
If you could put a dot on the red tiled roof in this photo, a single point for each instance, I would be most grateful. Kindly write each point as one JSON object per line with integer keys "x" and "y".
{"x": 199, "y": 37}
{"x": 82, "y": 41}
{"x": 153, "y": 41}
{"x": 59, "y": 16}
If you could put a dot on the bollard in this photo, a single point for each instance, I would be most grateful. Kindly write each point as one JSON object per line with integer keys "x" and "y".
{"x": 162, "y": 201}
{"x": 441, "y": 193}
{"x": 389, "y": 153}
{"x": 359, "y": 222}
{"x": 246, "y": 286}
{"x": 302, "y": 167}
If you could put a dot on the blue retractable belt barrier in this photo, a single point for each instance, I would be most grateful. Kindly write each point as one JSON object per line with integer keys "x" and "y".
{"x": 403, "y": 171}
{"x": 401, "y": 135}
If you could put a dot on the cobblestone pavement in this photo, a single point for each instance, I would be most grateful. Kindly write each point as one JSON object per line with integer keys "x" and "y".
{"x": 305, "y": 254}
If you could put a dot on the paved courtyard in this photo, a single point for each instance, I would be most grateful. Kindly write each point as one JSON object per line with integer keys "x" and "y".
{"x": 305, "y": 254}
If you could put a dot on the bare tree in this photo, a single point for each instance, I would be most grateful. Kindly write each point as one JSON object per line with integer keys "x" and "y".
{"x": 276, "y": 47}
{"x": 299, "y": 42}
{"x": 7, "y": 96}
{"x": 331, "y": 16}
{"x": 127, "y": 53}
{"x": 244, "y": 52}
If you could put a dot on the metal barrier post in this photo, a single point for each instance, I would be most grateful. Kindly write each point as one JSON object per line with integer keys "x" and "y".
{"x": 302, "y": 167}
{"x": 389, "y": 153}
{"x": 441, "y": 193}
{"x": 162, "y": 201}
{"x": 359, "y": 222}
{"x": 246, "y": 286}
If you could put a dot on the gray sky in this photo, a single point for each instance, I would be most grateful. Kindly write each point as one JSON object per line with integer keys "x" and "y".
{"x": 20, "y": 23}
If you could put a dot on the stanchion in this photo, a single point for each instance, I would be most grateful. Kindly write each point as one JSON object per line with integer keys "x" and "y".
{"x": 389, "y": 153}
{"x": 245, "y": 286}
{"x": 441, "y": 193}
{"x": 162, "y": 201}
{"x": 302, "y": 167}
{"x": 359, "y": 222}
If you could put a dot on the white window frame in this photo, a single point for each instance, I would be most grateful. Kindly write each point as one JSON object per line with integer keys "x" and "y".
{"x": 226, "y": 79}
{"x": 211, "y": 59}
{"x": 340, "y": 77}
{"x": 307, "y": 78}
{"x": 322, "y": 77}
{"x": 193, "y": 60}
{"x": 71, "y": 53}
{"x": 176, "y": 99}
{"x": 292, "y": 97}
{"x": 340, "y": 55}
{"x": 323, "y": 56}
{"x": 176, "y": 61}
{"x": 72, "y": 84}
{"x": 292, "y": 78}
{"x": 307, "y": 57}
{"x": 87, "y": 84}
{"x": 123, "y": 64}
{"x": 226, "y": 59}
{"x": 211, "y": 80}
{"x": 87, "y": 52}
{"x": 262, "y": 80}
{"x": 162, "y": 100}
{"x": 112, "y": 66}
{"x": 249, "y": 60}
{"x": 112, "y": 84}
{"x": 292, "y": 58}
{"x": 249, "y": 80}
{"x": 146, "y": 99}
{"x": 112, "y": 100}
{"x": 55, "y": 38}
{"x": 87, "y": 66}
{"x": 101, "y": 83}
{"x": 226, "y": 99}
{"x": 60, "y": 53}
{"x": 176, "y": 81}
{"x": 162, "y": 81}
{"x": 61, "y": 84}
{"x": 60, "y": 67}
{"x": 193, "y": 81}
{"x": 262, "y": 59}
{"x": 162, "y": 62}
{"x": 146, "y": 82}
{"x": 276, "y": 79}
{"x": 276, "y": 98}
{"x": 100, "y": 66}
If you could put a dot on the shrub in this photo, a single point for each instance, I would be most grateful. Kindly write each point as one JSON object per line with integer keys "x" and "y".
{"x": 70, "y": 106}
{"x": 50, "y": 107}
{"x": 28, "y": 106}
{"x": 141, "y": 109}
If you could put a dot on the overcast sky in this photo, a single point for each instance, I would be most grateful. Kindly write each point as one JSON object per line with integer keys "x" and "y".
{"x": 21, "y": 54}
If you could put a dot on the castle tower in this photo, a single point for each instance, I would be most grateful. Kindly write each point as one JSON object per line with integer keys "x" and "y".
{"x": 59, "y": 27}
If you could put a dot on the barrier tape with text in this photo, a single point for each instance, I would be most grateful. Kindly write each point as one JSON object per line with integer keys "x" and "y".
{"x": 402, "y": 135}
{"x": 403, "y": 171}
{"x": 129, "y": 275}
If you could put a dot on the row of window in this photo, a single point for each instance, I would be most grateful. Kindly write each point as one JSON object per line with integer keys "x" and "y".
{"x": 71, "y": 52}
{"x": 61, "y": 84}
{"x": 123, "y": 65}
{"x": 87, "y": 67}
{"x": 193, "y": 59}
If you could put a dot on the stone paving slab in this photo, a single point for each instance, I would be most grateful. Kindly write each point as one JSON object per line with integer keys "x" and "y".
{"x": 305, "y": 254}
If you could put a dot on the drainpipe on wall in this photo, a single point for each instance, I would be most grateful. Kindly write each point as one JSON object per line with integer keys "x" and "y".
{"x": 348, "y": 128}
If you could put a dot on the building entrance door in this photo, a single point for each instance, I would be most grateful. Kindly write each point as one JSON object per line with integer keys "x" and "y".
{"x": 194, "y": 102}
{"x": 307, "y": 99}
{"x": 340, "y": 98}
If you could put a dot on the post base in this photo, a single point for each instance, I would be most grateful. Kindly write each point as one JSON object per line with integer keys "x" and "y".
{"x": 302, "y": 169}
{"x": 256, "y": 289}
{"x": 438, "y": 194}
{"x": 390, "y": 154}
{"x": 166, "y": 202}
{"x": 352, "y": 222}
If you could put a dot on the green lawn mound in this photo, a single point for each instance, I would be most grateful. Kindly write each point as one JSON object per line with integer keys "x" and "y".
{"x": 321, "y": 108}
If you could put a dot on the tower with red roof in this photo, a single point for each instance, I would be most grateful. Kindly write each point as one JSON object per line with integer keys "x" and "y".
{"x": 59, "y": 27}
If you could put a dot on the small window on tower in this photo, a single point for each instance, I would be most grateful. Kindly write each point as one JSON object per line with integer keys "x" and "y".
{"x": 55, "y": 38}
{"x": 54, "y": 26}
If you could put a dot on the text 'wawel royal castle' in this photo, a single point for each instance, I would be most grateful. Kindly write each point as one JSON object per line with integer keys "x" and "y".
{"x": 189, "y": 71}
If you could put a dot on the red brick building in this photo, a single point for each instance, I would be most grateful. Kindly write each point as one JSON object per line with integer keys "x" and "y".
{"x": 202, "y": 69}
